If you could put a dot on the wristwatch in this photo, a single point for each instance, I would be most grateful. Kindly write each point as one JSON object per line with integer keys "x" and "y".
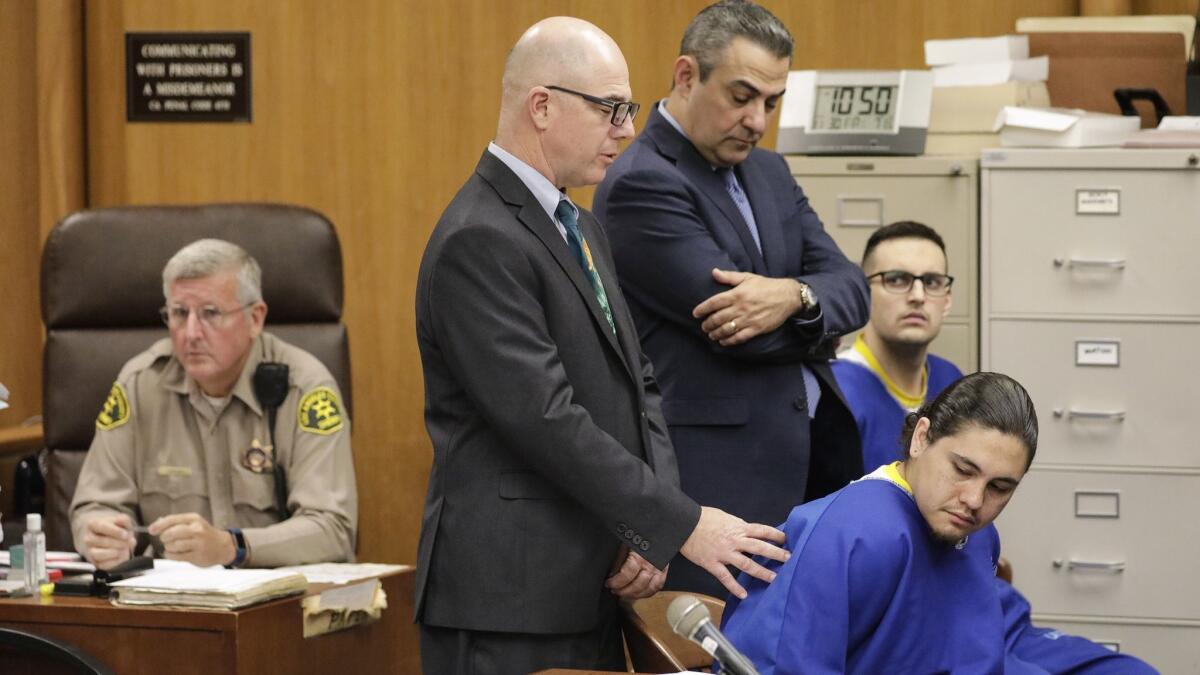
{"x": 807, "y": 296}
{"x": 239, "y": 541}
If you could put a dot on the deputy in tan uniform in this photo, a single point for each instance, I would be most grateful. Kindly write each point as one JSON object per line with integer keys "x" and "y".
{"x": 183, "y": 445}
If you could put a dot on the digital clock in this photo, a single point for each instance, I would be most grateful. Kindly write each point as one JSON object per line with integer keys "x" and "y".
{"x": 855, "y": 112}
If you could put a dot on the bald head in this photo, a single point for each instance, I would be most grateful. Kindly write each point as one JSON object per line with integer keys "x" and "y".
{"x": 562, "y": 82}
{"x": 561, "y": 50}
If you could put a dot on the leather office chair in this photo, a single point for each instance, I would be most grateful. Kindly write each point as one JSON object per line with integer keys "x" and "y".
{"x": 22, "y": 652}
{"x": 102, "y": 289}
{"x": 653, "y": 646}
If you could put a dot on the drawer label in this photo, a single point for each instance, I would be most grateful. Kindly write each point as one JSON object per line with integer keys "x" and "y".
{"x": 1097, "y": 504}
{"x": 860, "y": 210}
{"x": 1090, "y": 202}
{"x": 1098, "y": 353}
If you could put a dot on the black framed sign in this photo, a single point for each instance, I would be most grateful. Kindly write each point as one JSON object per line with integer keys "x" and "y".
{"x": 187, "y": 77}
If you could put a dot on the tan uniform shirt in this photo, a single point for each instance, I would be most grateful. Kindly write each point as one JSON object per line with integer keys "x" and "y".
{"x": 162, "y": 448}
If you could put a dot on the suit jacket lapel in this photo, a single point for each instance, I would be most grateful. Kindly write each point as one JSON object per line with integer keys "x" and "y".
{"x": 696, "y": 169}
{"x": 531, "y": 214}
{"x": 770, "y": 229}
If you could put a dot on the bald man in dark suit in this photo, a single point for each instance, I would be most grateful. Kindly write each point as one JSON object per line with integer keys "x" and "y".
{"x": 554, "y": 489}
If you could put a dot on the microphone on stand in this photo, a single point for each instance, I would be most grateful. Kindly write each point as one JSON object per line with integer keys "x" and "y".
{"x": 690, "y": 618}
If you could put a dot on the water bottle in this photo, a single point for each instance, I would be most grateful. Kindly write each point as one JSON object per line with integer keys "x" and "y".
{"x": 35, "y": 553}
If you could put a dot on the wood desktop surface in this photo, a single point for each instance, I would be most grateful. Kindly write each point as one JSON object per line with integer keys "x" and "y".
{"x": 264, "y": 638}
{"x": 568, "y": 671}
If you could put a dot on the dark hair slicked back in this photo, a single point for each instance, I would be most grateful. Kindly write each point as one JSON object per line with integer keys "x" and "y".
{"x": 715, "y": 27}
{"x": 986, "y": 400}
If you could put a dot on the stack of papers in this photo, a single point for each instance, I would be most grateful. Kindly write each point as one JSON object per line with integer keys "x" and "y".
{"x": 341, "y": 573}
{"x": 976, "y": 50}
{"x": 981, "y": 62}
{"x": 1036, "y": 69}
{"x": 1063, "y": 128}
{"x": 343, "y": 606}
{"x": 207, "y": 587}
{"x": 1172, "y": 132}
{"x": 67, "y": 561}
{"x": 974, "y": 78}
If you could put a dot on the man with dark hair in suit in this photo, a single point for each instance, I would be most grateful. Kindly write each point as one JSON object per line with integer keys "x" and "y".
{"x": 736, "y": 289}
{"x": 554, "y": 488}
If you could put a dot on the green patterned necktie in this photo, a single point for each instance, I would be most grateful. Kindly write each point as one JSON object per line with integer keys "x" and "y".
{"x": 583, "y": 255}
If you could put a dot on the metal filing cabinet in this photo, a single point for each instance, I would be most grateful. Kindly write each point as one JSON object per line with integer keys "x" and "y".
{"x": 1090, "y": 297}
{"x": 856, "y": 195}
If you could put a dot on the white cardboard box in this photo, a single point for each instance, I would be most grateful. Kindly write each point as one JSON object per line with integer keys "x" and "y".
{"x": 1036, "y": 69}
{"x": 963, "y": 110}
{"x": 975, "y": 50}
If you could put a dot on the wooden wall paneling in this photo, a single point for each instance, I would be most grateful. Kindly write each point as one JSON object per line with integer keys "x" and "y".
{"x": 1105, "y": 7}
{"x": 41, "y": 180}
{"x": 1189, "y": 7}
{"x": 374, "y": 113}
{"x": 20, "y": 331}
{"x": 60, "y": 111}
{"x": 104, "y": 73}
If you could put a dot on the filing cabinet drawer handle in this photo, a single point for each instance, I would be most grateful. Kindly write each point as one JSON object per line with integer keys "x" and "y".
{"x": 1114, "y": 415}
{"x": 1112, "y": 263}
{"x": 1089, "y": 565}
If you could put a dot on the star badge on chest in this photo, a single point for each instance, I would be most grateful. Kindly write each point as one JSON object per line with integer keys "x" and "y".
{"x": 258, "y": 457}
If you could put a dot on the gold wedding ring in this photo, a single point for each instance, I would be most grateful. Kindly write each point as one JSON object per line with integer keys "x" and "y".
{"x": 732, "y": 326}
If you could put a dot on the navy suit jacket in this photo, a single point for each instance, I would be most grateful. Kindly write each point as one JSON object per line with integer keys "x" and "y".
{"x": 549, "y": 446}
{"x": 737, "y": 415}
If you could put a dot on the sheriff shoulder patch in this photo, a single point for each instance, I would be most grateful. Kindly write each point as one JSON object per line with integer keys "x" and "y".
{"x": 320, "y": 412}
{"x": 115, "y": 411}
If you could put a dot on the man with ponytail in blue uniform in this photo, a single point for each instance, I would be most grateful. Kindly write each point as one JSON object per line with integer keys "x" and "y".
{"x": 895, "y": 572}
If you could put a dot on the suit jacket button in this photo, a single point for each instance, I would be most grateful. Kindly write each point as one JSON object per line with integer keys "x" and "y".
{"x": 798, "y": 404}
{"x": 629, "y": 534}
{"x": 645, "y": 545}
{"x": 621, "y": 527}
{"x": 637, "y": 539}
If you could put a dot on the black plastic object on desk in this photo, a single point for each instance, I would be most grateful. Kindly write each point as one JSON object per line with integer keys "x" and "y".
{"x": 133, "y": 567}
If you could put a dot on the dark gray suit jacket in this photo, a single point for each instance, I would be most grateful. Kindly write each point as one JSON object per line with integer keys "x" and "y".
{"x": 550, "y": 450}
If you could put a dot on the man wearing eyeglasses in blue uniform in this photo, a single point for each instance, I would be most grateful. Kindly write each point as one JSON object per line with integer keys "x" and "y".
{"x": 889, "y": 371}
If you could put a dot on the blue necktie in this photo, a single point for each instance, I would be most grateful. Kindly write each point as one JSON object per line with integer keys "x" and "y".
{"x": 734, "y": 188}
{"x": 811, "y": 386}
{"x": 583, "y": 255}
